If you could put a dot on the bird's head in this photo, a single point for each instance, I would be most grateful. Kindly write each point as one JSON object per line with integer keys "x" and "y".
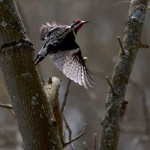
{"x": 77, "y": 24}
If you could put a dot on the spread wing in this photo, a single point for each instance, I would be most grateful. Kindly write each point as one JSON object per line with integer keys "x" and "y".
{"x": 71, "y": 63}
{"x": 65, "y": 53}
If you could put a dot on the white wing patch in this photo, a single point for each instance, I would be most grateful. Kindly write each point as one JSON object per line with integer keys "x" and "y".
{"x": 71, "y": 65}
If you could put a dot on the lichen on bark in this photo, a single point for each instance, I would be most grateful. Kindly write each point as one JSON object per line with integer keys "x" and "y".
{"x": 115, "y": 102}
{"x": 33, "y": 112}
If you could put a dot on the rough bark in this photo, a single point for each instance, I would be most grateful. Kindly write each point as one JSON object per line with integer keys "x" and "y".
{"x": 33, "y": 113}
{"x": 115, "y": 98}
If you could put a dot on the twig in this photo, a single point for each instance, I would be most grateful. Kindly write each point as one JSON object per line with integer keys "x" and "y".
{"x": 68, "y": 127}
{"x": 77, "y": 137}
{"x": 85, "y": 146}
{"x": 120, "y": 43}
{"x": 12, "y": 112}
{"x": 110, "y": 85}
{"x": 144, "y": 46}
{"x": 95, "y": 141}
{"x": 72, "y": 146}
{"x": 121, "y": 2}
{"x": 62, "y": 109}
{"x": 9, "y": 107}
{"x": 65, "y": 97}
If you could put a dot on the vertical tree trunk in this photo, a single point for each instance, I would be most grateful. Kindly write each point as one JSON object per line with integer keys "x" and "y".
{"x": 34, "y": 115}
{"x": 115, "y": 97}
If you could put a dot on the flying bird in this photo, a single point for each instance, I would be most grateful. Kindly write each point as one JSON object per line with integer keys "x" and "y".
{"x": 59, "y": 43}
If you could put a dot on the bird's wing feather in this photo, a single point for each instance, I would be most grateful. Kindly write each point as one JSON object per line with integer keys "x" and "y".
{"x": 45, "y": 28}
{"x": 56, "y": 38}
{"x": 50, "y": 29}
{"x": 71, "y": 63}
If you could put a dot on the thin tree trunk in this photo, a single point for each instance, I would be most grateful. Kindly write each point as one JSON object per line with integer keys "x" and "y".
{"x": 33, "y": 113}
{"x": 115, "y": 103}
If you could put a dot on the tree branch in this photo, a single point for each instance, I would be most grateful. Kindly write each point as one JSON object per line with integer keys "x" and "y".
{"x": 33, "y": 112}
{"x": 110, "y": 85}
{"x": 66, "y": 95}
{"x": 120, "y": 43}
{"x": 95, "y": 142}
{"x": 77, "y": 137}
{"x": 51, "y": 89}
{"x": 144, "y": 46}
{"x": 8, "y": 106}
{"x": 85, "y": 146}
{"x": 121, "y": 74}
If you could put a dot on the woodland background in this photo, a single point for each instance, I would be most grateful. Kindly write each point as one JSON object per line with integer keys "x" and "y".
{"x": 98, "y": 42}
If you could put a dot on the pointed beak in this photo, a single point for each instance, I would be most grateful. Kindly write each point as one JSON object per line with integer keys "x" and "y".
{"x": 84, "y": 22}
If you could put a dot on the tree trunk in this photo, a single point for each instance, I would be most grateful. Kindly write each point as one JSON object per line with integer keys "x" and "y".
{"x": 115, "y": 103}
{"x": 33, "y": 113}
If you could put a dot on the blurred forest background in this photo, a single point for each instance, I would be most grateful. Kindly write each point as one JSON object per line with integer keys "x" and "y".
{"x": 98, "y": 42}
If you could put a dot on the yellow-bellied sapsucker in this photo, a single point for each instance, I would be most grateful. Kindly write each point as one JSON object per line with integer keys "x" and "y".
{"x": 59, "y": 43}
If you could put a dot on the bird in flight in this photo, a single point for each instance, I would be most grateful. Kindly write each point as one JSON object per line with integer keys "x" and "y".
{"x": 59, "y": 43}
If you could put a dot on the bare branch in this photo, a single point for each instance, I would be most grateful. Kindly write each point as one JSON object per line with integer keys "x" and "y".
{"x": 95, "y": 141}
{"x": 8, "y": 106}
{"x": 121, "y": 2}
{"x": 85, "y": 146}
{"x": 110, "y": 85}
{"x": 70, "y": 133}
{"x": 76, "y": 138}
{"x": 144, "y": 46}
{"x": 67, "y": 126}
{"x": 65, "y": 97}
{"x": 120, "y": 43}
{"x": 119, "y": 80}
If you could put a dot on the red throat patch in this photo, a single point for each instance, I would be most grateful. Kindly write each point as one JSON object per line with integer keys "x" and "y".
{"x": 79, "y": 27}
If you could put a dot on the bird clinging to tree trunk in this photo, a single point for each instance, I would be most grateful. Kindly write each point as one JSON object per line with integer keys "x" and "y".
{"x": 59, "y": 43}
